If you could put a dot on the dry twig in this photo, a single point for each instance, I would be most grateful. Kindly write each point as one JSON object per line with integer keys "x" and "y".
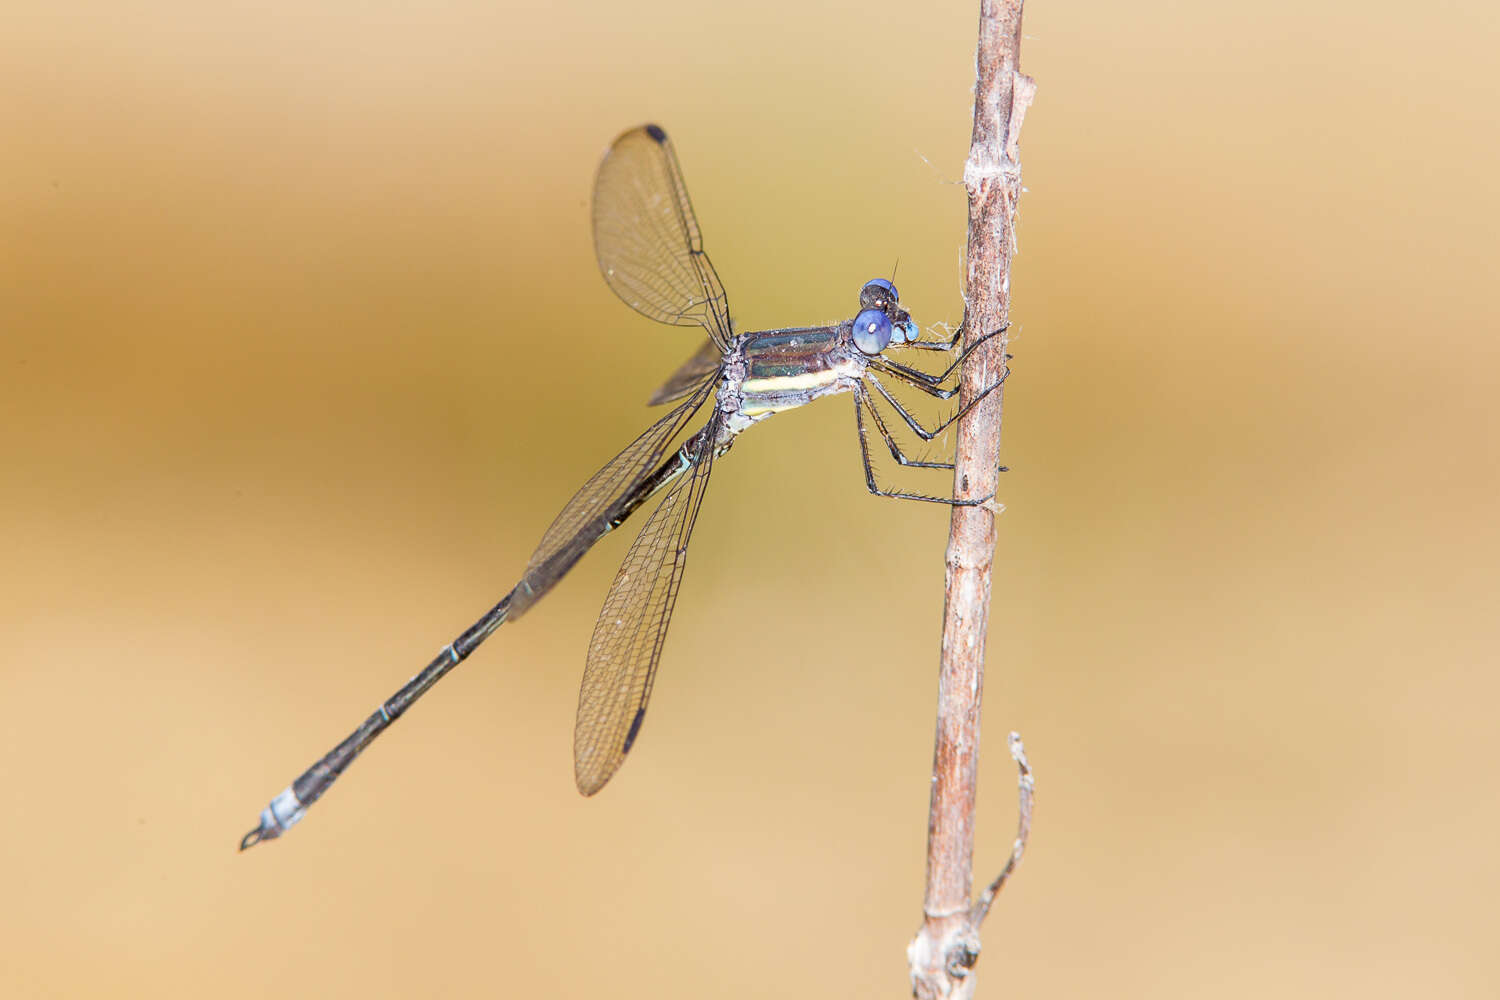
{"x": 945, "y": 949}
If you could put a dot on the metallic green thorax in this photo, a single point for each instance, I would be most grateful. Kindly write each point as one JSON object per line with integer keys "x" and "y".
{"x": 788, "y": 368}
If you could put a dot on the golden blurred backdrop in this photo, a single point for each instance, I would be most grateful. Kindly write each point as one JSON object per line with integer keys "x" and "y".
{"x": 302, "y": 345}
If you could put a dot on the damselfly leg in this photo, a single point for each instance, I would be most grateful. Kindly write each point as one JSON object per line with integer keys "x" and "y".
{"x": 930, "y": 384}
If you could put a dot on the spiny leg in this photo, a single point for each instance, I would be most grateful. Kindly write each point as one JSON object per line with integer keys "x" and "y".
{"x": 937, "y": 345}
{"x": 904, "y": 374}
{"x": 864, "y": 449}
{"x": 863, "y": 395}
{"x": 910, "y": 421}
{"x": 913, "y": 373}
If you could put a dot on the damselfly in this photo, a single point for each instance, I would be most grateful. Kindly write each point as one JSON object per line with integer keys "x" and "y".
{"x": 651, "y": 253}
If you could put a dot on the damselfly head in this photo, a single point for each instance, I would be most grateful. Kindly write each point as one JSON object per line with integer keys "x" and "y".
{"x": 880, "y": 298}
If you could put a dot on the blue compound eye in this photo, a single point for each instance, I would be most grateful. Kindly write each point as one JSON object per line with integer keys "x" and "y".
{"x": 877, "y": 294}
{"x": 872, "y": 331}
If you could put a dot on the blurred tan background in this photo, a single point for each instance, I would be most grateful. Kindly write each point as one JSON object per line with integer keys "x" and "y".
{"x": 302, "y": 345}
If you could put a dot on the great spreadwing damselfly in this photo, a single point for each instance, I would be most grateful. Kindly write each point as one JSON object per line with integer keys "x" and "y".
{"x": 650, "y": 251}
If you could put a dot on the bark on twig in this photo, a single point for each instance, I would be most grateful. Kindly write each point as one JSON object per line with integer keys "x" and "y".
{"x": 944, "y": 951}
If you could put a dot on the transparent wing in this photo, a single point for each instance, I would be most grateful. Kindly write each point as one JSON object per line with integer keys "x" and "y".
{"x": 706, "y": 359}
{"x": 607, "y": 494}
{"x": 647, "y": 239}
{"x": 628, "y": 637}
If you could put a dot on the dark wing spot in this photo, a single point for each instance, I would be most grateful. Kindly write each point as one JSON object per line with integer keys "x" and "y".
{"x": 655, "y": 132}
{"x": 635, "y": 729}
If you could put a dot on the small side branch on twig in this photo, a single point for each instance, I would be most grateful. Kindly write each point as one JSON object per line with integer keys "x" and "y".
{"x": 1027, "y": 785}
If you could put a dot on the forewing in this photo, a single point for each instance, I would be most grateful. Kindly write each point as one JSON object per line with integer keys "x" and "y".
{"x": 647, "y": 239}
{"x": 627, "y": 641}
